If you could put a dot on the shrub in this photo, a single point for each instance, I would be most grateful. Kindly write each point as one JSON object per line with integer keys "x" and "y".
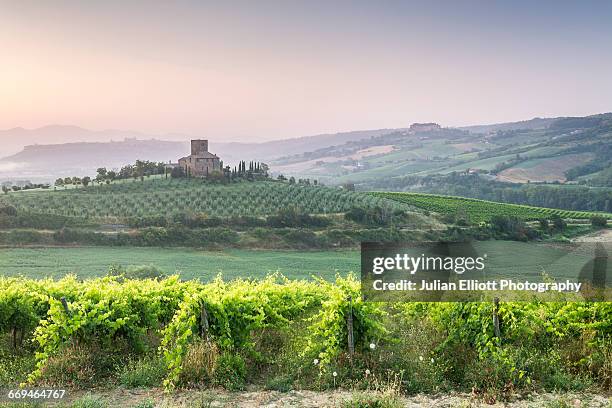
{"x": 559, "y": 223}
{"x": 148, "y": 403}
{"x": 78, "y": 366}
{"x": 199, "y": 364}
{"x": 372, "y": 400}
{"x": 148, "y": 371}
{"x": 14, "y": 367}
{"x": 177, "y": 172}
{"x": 25, "y": 237}
{"x": 291, "y": 217}
{"x": 303, "y": 238}
{"x": 599, "y": 221}
{"x": 372, "y": 216}
{"x": 89, "y": 401}
{"x": 230, "y": 372}
{"x": 143, "y": 272}
{"x": 8, "y": 210}
{"x": 281, "y": 383}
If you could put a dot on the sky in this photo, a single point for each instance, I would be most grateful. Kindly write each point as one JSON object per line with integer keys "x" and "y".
{"x": 263, "y": 70}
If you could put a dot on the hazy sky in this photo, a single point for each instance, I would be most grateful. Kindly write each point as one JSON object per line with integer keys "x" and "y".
{"x": 259, "y": 70}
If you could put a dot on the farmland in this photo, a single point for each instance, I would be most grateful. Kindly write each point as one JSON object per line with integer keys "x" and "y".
{"x": 525, "y": 152}
{"x": 170, "y": 284}
{"x": 154, "y": 197}
{"x": 480, "y": 210}
{"x": 88, "y": 262}
{"x": 292, "y": 333}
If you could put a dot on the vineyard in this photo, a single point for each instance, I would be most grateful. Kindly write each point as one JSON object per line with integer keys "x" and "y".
{"x": 153, "y": 197}
{"x": 313, "y": 334}
{"x": 480, "y": 210}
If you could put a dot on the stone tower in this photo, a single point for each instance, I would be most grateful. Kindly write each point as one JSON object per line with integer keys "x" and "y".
{"x": 201, "y": 162}
{"x": 199, "y": 146}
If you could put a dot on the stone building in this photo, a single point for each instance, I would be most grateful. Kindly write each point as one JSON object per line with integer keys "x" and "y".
{"x": 425, "y": 127}
{"x": 201, "y": 162}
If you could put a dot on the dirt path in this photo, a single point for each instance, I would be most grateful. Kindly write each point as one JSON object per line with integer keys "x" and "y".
{"x": 604, "y": 235}
{"x": 312, "y": 399}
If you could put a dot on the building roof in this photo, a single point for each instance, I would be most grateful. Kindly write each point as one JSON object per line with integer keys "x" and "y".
{"x": 202, "y": 155}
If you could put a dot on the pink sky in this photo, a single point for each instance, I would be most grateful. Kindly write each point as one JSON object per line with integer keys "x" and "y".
{"x": 285, "y": 69}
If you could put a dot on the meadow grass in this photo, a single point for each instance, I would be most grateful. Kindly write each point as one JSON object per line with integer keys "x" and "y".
{"x": 189, "y": 263}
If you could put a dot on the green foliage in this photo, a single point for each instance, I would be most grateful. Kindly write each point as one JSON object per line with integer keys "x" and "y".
{"x": 15, "y": 365}
{"x": 167, "y": 198}
{"x": 599, "y": 221}
{"x": 372, "y": 400}
{"x": 291, "y": 217}
{"x": 148, "y": 371}
{"x": 214, "y": 334}
{"x": 8, "y": 210}
{"x": 512, "y": 227}
{"x": 234, "y": 312}
{"x": 231, "y": 372}
{"x": 328, "y": 332}
{"x": 89, "y": 401}
{"x": 376, "y": 216}
{"x": 78, "y": 367}
{"x": 137, "y": 306}
{"x": 281, "y": 383}
{"x": 148, "y": 403}
{"x": 137, "y": 272}
{"x": 481, "y": 210}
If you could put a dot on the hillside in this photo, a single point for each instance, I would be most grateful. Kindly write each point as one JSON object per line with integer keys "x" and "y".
{"x": 161, "y": 197}
{"x": 541, "y": 150}
{"x": 40, "y": 156}
{"x": 474, "y": 211}
{"x": 536, "y": 151}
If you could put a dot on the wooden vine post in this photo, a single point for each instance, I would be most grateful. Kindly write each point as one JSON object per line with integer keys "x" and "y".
{"x": 65, "y": 304}
{"x": 69, "y": 314}
{"x": 15, "y": 337}
{"x": 349, "y": 327}
{"x": 204, "y": 323}
{"x": 496, "y": 329}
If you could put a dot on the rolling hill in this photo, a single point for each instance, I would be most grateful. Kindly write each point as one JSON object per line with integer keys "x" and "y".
{"x": 39, "y": 156}
{"x": 161, "y": 197}
{"x": 541, "y": 150}
{"x": 474, "y": 210}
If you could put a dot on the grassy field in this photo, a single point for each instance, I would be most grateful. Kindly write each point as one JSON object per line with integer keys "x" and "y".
{"x": 191, "y": 264}
{"x": 480, "y": 210}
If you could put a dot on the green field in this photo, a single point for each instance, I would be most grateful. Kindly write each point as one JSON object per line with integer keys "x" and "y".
{"x": 191, "y": 264}
{"x": 154, "y": 197}
{"x": 480, "y": 210}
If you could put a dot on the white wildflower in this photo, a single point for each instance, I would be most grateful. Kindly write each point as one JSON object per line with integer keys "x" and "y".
{"x": 372, "y": 346}
{"x": 335, "y": 374}
{"x": 420, "y": 358}
{"x": 367, "y": 372}
{"x": 315, "y": 361}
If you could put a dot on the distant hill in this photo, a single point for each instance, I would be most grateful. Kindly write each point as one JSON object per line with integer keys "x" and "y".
{"x": 565, "y": 149}
{"x": 267, "y": 151}
{"x": 14, "y": 140}
{"x": 559, "y": 150}
{"x": 540, "y": 123}
{"x": 535, "y": 123}
{"x": 46, "y": 162}
{"x": 43, "y": 159}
